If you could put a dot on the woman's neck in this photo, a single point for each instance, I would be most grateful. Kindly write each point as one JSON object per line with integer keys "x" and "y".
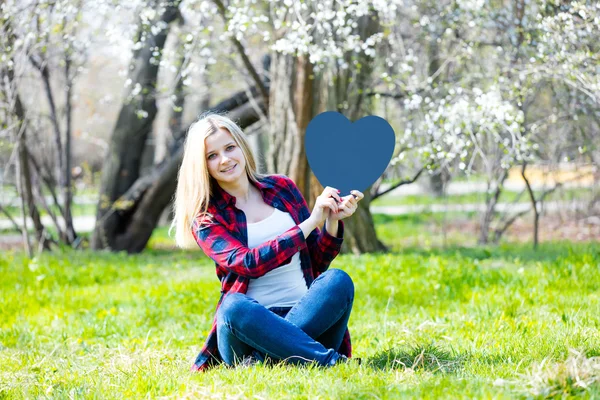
{"x": 241, "y": 190}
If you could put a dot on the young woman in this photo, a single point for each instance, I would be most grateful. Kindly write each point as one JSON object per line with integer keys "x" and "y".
{"x": 278, "y": 297}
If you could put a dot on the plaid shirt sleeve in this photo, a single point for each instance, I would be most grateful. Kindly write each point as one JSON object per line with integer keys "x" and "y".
{"x": 221, "y": 246}
{"x": 323, "y": 247}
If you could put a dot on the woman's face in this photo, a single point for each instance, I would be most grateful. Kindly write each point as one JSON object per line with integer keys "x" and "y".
{"x": 224, "y": 158}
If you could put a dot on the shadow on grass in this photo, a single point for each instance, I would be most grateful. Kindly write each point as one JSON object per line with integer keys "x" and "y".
{"x": 427, "y": 357}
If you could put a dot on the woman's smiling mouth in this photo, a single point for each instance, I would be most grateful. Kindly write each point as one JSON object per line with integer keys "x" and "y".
{"x": 230, "y": 169}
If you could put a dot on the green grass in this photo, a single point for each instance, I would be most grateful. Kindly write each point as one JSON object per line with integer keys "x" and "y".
{"x": 427, "y": 321}
{"x": 479, "y": 198}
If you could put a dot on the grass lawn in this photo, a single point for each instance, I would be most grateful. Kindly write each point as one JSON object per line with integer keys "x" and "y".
{"x": 427, "y": 321}
{"x": 564, "y": 195}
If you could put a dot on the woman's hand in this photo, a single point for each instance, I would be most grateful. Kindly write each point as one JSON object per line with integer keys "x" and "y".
{"x": 347, "y": 207}
{"x": 325, "y": 205}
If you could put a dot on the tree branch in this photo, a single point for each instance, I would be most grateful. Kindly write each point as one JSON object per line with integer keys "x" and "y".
{"x": 398, "y": 96}
{"x": 240, "y": 48}
{"x": 45, "y": 74}
{"x": 50, "y": 184}
{"x": 10, "y": 218}
{"x": 536, "y": 214}
{"x": 500, "y": 231}
{"x": 398, "y": 184}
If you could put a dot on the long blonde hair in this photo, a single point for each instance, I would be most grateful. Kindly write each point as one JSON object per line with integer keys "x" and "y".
{"x": 194, "y": 182}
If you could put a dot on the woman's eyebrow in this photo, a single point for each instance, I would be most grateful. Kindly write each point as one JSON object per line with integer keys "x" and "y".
{"x": 210, "y": 152}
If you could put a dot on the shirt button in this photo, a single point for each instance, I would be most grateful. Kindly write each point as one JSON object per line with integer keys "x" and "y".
{"x": 299, "y": 248}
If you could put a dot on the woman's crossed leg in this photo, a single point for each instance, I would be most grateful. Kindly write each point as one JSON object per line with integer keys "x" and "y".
{"x": 311, "y": 331}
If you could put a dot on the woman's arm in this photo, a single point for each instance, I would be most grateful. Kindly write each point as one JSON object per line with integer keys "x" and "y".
{"x": 323, "y": 246}
{"x": 331, "y": 226}
{"x": 221, "y": 246}
{"x": 307, "y": 227}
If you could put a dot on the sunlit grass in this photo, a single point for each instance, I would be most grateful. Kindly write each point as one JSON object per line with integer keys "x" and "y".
{"x": 427, "y": 322}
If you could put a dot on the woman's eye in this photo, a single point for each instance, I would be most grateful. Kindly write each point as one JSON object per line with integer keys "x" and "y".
{"x": 210, "y": 157}
{"x": 230, "y": 147}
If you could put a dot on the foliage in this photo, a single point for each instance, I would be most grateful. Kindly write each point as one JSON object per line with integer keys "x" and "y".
{"x": 473, "y": 71}
{"x": 475, "y": 85}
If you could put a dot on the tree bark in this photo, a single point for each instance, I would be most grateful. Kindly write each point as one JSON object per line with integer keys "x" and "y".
{"x": 360, "y": 234}
{"x": 24, "y": 172}
{"x": 121, "y": 168}
{"x": 42, "y": 67}
{"x": 67, "y": 189}
{"x": 290, "y": 111}
{"x": 536, "y": 213}
{"x": 22, "y": 191}
{"x": 26, "y": 189}
{"x": 486, "y": 218}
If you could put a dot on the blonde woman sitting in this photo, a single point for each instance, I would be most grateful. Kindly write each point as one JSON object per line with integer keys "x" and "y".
{"x": 278, "y": 298}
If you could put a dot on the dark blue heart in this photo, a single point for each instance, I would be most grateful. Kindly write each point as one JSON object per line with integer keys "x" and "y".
{"x": 345, "y": 155}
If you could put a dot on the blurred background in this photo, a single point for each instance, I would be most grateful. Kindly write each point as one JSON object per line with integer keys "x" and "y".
{"x": 495, "y": 106}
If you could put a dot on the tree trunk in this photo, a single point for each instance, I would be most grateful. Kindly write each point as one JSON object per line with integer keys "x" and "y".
{"x": 295, "y": 98}
{"x": 42, "y": 66}
{"x": 121, "y": 168}
{"x": 290, "y": 111}
{"x": 67, "y": 189}
{"x": 18, "y": 113}
{"x": 21, "y": 191}
{"x": 360, "y": 234}
{"x": 350, "y": 99}
{"x": 486, "y": 218}
{"x": 435, "y": 183}
{"x": 131, "y": 225}
{"x": 536, "y": 213}
{"x": 27, "y": 194}
{"x": 24, "y": 177}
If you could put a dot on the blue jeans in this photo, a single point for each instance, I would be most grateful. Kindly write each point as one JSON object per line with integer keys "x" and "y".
{"x": 310, "y": 331}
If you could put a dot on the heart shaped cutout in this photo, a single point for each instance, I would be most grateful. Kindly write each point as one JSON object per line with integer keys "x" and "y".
{"x": 348, "y": 156}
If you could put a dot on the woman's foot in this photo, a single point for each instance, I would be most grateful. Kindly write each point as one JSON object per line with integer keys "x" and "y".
{"x": 344, "y": 360}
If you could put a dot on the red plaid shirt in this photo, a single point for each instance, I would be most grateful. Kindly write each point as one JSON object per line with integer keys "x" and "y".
{"x": 224, "y": 238}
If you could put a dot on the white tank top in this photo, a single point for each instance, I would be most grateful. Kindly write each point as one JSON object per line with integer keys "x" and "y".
{"x": 284, "y": 285}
